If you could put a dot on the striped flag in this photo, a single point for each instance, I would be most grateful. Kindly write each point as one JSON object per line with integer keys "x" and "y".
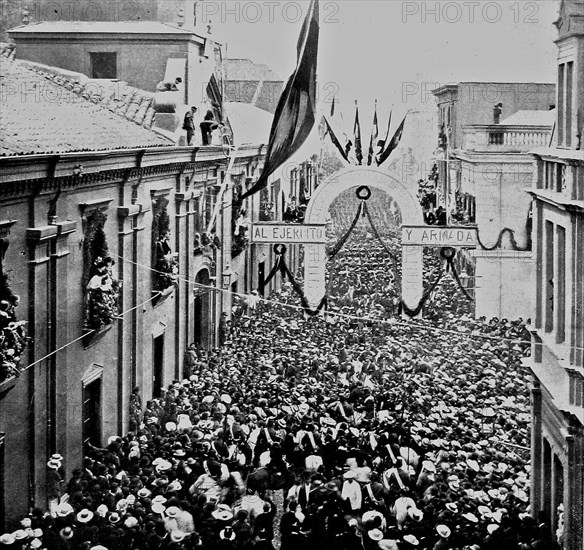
{"x": 357, "y": 134}
{"x": 334, "y": 139}
{"x": 295, "y": 113}
{"x": 373, "y": 138}
{"x": 392, "y": 144}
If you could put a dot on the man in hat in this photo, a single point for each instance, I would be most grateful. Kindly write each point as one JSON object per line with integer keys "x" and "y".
{"x": 190, "y": 123}
{"x": 54, "y": 485}
{"x": 351, "y": 492}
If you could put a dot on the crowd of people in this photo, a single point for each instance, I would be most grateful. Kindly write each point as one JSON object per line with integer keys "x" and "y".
{"x": 355, "y": 430}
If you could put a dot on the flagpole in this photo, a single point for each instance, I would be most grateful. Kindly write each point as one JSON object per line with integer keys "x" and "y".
{"x": 224, "y": 184}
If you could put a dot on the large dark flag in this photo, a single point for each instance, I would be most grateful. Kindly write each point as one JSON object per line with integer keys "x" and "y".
{"x": 357, "y": 135}
{"x": 392, "y": 144}
{"x": 295, "y": 113}
{"x": 373, "y": 138}
{"x": 334, "y": 139}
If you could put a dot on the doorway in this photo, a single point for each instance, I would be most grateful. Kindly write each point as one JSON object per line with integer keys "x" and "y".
{"x": 157, "y": 365}
{"x": 261, "y": 277}
{"x": 92, "y": 414}
{"x": 202, "y": 309}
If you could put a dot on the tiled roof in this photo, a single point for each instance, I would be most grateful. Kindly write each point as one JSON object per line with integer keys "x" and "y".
{"x": 530, "y": 118}
{"x": 101, "y": 27}
{"x": 46, "y": 109}
{"x": 245, "y": 69}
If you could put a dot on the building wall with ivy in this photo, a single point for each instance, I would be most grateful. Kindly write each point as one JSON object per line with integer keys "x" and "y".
{"x": 98, "y": 239}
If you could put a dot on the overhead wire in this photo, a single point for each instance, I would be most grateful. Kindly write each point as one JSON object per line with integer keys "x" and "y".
{"x": 414, "y": 324}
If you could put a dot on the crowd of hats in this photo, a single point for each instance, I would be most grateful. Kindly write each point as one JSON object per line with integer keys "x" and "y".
{"x": 385, "y": 435}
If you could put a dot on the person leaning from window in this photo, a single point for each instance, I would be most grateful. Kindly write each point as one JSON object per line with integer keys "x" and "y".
{"x": 207, "y": 126}
{"x": 189, "y": 124}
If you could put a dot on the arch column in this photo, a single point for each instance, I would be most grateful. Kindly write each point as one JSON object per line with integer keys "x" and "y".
{"x": 412, "y": 266}
{"x": 327, "y": 191}
{"x": 314, "y": 273}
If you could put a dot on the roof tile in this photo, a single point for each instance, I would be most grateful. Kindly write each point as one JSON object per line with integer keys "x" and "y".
{"x": 77, "y": 120}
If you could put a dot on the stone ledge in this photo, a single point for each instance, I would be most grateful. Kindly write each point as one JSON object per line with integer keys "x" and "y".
{"x": 43, "y": 233}
{"x": 67, "y": 227}
{"x": 88, "y": 207}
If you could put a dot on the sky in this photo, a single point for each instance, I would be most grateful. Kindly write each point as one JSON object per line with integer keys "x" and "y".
{"x": 395, "y": 51}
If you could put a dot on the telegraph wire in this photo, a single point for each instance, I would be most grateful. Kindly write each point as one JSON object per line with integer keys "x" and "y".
{"x": 119, "y": 316}
{"x": 393, "y": 321}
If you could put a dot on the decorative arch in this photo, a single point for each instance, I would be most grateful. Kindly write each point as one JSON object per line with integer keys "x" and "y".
{"x": 316, "y": 213}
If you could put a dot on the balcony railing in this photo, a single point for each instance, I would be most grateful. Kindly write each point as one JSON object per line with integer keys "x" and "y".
{"x": 498, "y": 138}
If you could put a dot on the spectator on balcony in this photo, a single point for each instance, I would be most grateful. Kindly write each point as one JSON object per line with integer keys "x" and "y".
{"x": 440, "y": 216}
{"x": 497, "y": 110}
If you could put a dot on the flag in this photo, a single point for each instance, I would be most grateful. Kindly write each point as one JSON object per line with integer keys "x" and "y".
{"x": 333, "y": 108}
{"x": 373, "y": 138}
{"x": 392, "y": 144}
{"x": 216, "y": 98}
{"x": 295, "y": 113}
{"x": 381, "y": 143}
{"x": 322, "y": 128}
{"x": 357, "y": 134}
{"x": 334, "y": 139}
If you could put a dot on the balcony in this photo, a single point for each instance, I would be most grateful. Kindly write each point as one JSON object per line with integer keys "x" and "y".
{"x": 499, "y": 138}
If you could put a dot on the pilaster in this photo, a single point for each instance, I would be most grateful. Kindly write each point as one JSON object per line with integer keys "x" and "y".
{"x": 183, "y": 245}
{"x": 39, "y": 240}
{"x": 130, "y": 324}
{"x": 536, "y": 448}
{"x": 68, "y": 439}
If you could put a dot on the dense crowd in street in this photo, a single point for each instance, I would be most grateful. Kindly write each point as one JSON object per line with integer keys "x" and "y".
{"x": 351, "y": 431}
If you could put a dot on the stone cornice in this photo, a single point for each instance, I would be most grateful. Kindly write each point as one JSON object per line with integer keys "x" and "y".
{"x": 41, "y": 234}
{"x": 152, "y": 160}
{"x": 5, "y": 226}
{"x": 88, "y": 207}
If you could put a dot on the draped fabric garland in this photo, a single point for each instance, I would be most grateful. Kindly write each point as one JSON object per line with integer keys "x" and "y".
{"x": 281, "y": 266}
{"x": 341, "y": 242}
{"x": 448, "y": 254}
{"x": 512, "y": 238}
{"x": 514, "y": 245}
{"x": 386, "y": 248}
{"x": 362, "y": 211}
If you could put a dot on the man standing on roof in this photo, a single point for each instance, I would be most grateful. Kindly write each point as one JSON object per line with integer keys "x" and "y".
{"x": 189, "y": 124}
{"x": 207, "y": 127}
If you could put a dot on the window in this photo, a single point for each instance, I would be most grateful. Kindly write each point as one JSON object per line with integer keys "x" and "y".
{"x": 157, "y": 365}
{"x": 561, "y": 99}
{"x": 561, "y": 284}
{"x": 92, "y": 414}
{"x": 568, "y": 119}
{"x": 549, "y": 276}
{"x": 104, "y": 64}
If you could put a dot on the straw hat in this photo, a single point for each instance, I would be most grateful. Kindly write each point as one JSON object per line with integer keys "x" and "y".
{"x": 375, "y": 534}
{"x": 443, "y": 531}
{"x": 84, "y": 516}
